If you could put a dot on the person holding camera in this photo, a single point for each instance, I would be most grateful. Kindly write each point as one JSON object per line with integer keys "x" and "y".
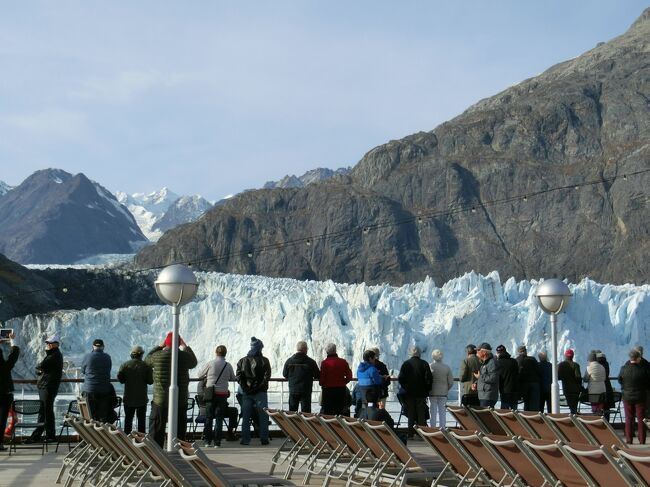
{"x": 6, "y": 382}
{"x": 49, "y": 372}
{"x": 218, "y": 374}
{"x": 135, "y": 375}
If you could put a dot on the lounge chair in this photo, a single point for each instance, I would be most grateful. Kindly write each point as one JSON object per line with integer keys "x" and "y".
{"x": 512, "y": 424}
{"x": 602, "y": 468}
{"x": 222, "y": 475}
{"x": 464, "y": 418}
{"x": 481, "y": 459}
{"x": 527, "y": 470}
{"x": 601, "y": 431}
{"x": 455, "y": 465}
{"x": 568, "y": 429}
{"x": 536, "y": 423}
{"x": 294, "y": 446}
{"x": 489, "y": 422}
{"x": 568, "y": 472}
{"x": 637, "y": 462}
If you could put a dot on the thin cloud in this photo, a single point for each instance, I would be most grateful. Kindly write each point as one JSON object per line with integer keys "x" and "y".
{"x": 127, "y": 85}
{"x": 57, "y": 124}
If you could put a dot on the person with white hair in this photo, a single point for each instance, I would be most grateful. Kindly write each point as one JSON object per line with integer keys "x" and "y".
{"x": 335, "y": 374}
{"x": 443, "y": 381}
{"x": 416, "y": 380}
{"x": 301, "y": 371}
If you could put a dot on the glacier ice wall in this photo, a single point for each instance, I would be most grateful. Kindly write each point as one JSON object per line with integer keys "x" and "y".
{"x": 229, "y": 309}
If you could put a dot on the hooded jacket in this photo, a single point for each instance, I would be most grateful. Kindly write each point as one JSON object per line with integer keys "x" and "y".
{"x": 301, "y": 371}
{"x": 50, "y": 370}
{"x": 368, "y": 375}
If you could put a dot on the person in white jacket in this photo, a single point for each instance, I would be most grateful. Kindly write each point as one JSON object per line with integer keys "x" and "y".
{"x": 443, "y": 380}
{"x": 595, "y": 377}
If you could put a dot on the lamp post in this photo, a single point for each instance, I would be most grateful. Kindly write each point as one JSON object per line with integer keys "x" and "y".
{"x": 553, "y": 297}
{"x": 176, "y": 285}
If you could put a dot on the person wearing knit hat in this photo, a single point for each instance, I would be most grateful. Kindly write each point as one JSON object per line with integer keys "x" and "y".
{"x": 569, "y": 373}
{"x": 136, "y": 375}
{"x": 160, "y": 359}
{"x": 253, "y": 374}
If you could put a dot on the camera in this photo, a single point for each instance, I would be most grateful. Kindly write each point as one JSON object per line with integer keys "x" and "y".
{"x": 5, "y": 333}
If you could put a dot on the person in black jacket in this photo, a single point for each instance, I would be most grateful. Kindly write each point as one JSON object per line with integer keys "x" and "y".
{"x": 301, "y": 371}
{"x": 49, "y": 372}
{"x": 136, "y": 375}
{"x": 253, "y": 375}
{"x": 6, "y": 382}
{"x": 416, "y": 380}
{"x": 634, "y": 378}
{"x": 546, "y": 375}
{"x": 508, "y": 378}
{"x": 529, "y": 379}
{"x": 383, "y": 371}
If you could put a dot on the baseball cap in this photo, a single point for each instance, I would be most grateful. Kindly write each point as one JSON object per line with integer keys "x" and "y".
{"x": 568, "y": 353}
{"x": 98, "y": 342}
{"x": 53, "y": 339}
{"x": 485, "y": 346}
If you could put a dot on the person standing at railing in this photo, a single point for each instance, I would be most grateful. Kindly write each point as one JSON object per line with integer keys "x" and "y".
{"x": 468, "y": 367}
{"x": 96, "y": 367}
{"x": 443, "y": 381}
{"x": 383, "y": 371}
{"x": 529, "y": 379}
{"x": 135, "y": 375}
{"x": 609, "y": 390}
{"x": 6, "y": 381}
{"x": 546, "y": 373}
{"x": 488, "y": 377}
{"x": 217, "y": 373}
{"x": 335, "y": 374}
{"x": 301, "y": 371}
{"x": 368, "y": 377}
{"x": 634, "y": 380}
{"x": 595, "y": 376}
{"x": 416, "y": 380}
{"x": 160, "y": 359}
{"x": 568, "y": 372}
{"x": 49, "y": 372}
{"x": 253, "y": 375}
{"x": 508, "y": 378}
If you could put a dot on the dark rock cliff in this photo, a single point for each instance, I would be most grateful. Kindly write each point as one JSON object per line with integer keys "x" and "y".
{"x": 581, "y": 120}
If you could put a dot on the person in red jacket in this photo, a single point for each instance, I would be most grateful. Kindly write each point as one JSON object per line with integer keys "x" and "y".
{"x": 335, "y": 373}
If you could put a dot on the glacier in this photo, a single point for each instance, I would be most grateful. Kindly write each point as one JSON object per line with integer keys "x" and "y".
{"x": 473, "y": 308}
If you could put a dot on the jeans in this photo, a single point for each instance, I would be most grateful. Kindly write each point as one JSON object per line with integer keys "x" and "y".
{"x": 129, "y": 412}
{"x": 216, "y": 409}
{"x": 158, "y": 420}
{"x": 302, "y": 398}
{"x": 438, "y": 406}
{"x": 46, "y": 414}
{"x": 257, "y": 401}
{"x": 634, "y": 409}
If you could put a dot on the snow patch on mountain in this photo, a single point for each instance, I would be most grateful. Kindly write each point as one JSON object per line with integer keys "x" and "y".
{"x": 147, "y": 209}
{"x": 230, "y": 309}
{"x": 4, "y": 188}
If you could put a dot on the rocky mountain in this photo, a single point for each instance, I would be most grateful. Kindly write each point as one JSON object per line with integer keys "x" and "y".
{"x": 184, "y": 210}
{"x": 4, "y": 188}
{"x": 25, "y": 291}
{"x": 428, "y": 204}
{"x": 56, "y": 217}
{"x": 312, "y": 176}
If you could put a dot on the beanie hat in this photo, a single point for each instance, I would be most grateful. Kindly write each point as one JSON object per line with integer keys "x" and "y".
{"x": 568, "y": 353}
{"x": 137, "y": 350}
{"x": 168, "y": 339}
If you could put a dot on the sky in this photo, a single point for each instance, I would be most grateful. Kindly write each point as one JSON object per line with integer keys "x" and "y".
{"x": 213, "y": 97}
